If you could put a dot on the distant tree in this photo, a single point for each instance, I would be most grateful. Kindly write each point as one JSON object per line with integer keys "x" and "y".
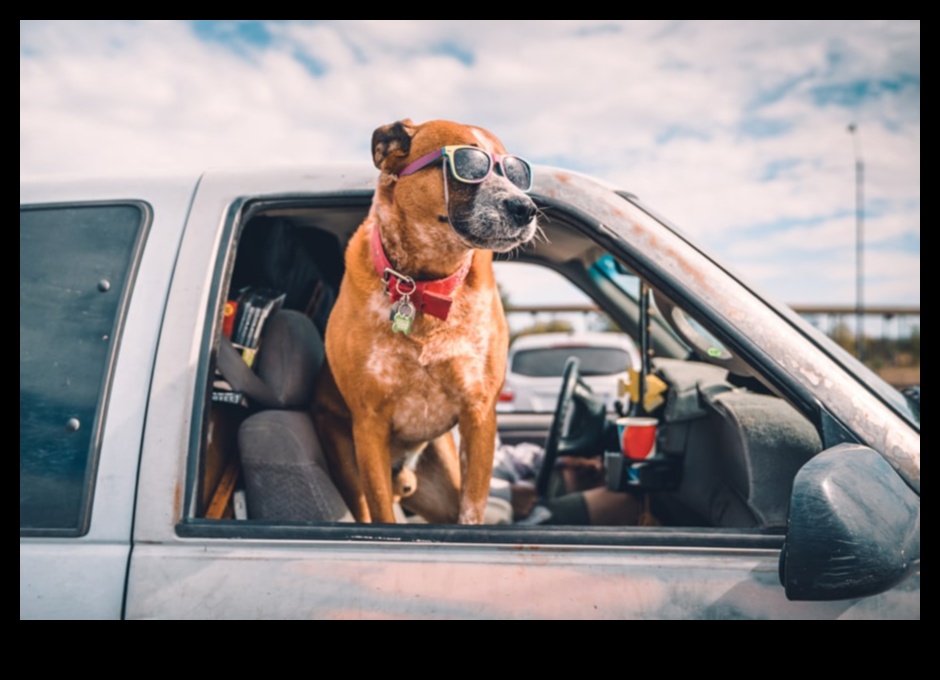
{"x": 553, "y": 326}
{"x": 844, "y": 337}
{"x": 915, "y": 345}
{"x": 880, "y": 352}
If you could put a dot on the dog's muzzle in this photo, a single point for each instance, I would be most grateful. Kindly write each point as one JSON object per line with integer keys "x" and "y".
{"x": 497, "y": 218}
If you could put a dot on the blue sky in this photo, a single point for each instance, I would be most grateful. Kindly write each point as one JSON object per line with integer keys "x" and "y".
{"x": 735, "y": 130}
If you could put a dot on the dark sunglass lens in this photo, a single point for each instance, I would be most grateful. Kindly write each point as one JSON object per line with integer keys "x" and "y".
{"x": 518, "y": 172}
{"x": 471, "y": 164}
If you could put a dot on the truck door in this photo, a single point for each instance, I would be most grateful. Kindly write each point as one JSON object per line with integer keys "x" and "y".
{"x": 94, "y": 272}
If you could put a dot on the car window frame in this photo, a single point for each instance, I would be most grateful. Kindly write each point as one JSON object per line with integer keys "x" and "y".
{"x": 238, "y": 213}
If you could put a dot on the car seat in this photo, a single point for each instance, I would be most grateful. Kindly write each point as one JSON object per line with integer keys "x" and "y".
{"x": 763, "y": 442}
{"x": 740, "y": 450}
{"x": 283, "y": 466}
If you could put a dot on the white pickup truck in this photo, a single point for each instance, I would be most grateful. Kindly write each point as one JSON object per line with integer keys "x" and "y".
{"x": 787, "y": 483}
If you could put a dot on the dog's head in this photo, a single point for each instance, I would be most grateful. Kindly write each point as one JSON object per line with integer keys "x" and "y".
{"x": 420, "y": 183}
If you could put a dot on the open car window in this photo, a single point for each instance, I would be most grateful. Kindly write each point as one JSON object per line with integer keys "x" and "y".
{"x": 727, "y": 447}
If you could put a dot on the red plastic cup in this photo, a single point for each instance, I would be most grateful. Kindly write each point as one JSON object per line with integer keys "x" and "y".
{"x": 637, "y": 437}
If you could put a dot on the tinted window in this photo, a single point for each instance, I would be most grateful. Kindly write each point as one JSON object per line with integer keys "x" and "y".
{"x": 74, "y": 267}
{"x": 550, "y": 361}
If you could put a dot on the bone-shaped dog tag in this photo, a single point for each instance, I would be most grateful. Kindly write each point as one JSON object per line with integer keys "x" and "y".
{"x": 404, "y": 315}
{"x": 402, "y": 323}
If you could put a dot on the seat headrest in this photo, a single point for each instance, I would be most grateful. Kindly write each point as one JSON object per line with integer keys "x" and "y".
{"x": 290, "y": 358}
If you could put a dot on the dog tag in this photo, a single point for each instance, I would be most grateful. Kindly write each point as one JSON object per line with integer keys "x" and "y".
{"x": 403, "y": 316}
{"x": 402, "y": 324}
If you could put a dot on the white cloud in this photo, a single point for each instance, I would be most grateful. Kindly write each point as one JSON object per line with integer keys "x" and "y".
{"x": 673, "y": 111}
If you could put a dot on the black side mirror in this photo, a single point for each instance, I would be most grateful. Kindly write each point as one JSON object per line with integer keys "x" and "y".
{"x": 853, "y": 528}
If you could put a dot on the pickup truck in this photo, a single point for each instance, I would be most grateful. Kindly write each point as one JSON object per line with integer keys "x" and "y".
{"x": 788, "y": 484}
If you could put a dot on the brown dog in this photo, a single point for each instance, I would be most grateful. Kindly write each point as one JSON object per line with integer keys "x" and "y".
{"x": 417, "y": 340}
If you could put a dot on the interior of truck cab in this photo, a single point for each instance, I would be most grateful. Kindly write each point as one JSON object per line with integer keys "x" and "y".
{"x": 727, "y": 448}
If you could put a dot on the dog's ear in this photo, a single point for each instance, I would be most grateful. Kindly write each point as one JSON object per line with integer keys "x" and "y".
{"x": 391, "y": 145}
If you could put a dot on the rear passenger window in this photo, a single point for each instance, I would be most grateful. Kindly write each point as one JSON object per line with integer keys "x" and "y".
{"x": 75, "y": 266}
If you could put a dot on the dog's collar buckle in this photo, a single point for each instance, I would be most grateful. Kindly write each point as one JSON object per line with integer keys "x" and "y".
{"x": 410, "y": 285}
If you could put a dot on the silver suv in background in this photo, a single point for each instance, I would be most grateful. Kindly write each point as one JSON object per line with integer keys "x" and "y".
{"x": 536, "y": 364}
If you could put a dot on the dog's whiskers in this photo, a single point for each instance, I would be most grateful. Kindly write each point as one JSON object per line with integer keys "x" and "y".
{"x": 539, "y": 235}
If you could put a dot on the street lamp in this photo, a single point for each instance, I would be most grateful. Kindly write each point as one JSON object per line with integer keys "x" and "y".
{"x": 859, "y": 224}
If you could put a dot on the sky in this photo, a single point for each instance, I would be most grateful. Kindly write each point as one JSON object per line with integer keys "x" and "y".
{"x": 736, "y": 131}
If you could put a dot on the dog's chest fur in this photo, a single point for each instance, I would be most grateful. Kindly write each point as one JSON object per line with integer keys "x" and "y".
{"x": 426, "y": 382}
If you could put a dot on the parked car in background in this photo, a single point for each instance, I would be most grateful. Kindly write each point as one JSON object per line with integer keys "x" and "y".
{"x": 537, "y": 362}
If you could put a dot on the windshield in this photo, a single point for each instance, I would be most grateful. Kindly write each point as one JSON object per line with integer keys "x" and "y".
{"x": 906, "y": 404}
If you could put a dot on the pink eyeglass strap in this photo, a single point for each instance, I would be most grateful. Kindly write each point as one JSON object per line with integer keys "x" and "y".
{"x": 421, "y": 162}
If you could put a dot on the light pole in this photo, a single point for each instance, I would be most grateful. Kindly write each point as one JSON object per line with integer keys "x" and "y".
{"x": 859, "y": 240}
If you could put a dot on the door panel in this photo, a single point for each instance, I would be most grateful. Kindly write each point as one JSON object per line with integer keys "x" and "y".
{"x": 369, "y": 581}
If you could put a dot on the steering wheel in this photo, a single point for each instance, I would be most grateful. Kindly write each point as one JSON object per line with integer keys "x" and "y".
{"x": 577, "y": 425}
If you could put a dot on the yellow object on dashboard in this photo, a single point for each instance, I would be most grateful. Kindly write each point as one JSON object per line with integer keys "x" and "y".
{"x": 655, "y": 388}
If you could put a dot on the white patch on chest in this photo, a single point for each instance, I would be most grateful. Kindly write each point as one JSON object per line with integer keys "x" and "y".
{"x": 383, "y": 357}
{"x": 379, "y": 307}
{"x": 427, "y": 379}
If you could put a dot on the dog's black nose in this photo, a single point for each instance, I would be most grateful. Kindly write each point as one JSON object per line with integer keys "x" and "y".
{"x": 521, "y": 209}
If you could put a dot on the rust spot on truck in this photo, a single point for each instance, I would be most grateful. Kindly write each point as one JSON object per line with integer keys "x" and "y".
{"x": 177, "y": 499}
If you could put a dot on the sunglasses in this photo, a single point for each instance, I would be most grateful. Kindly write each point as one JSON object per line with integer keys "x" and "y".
{"x": 472, "y": 165}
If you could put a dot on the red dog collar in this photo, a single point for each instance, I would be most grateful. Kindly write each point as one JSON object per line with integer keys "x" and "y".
{"x": 430, "y": 297}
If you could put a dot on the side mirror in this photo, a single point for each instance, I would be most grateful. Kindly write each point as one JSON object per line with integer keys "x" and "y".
{"x": 853, "y": 528}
